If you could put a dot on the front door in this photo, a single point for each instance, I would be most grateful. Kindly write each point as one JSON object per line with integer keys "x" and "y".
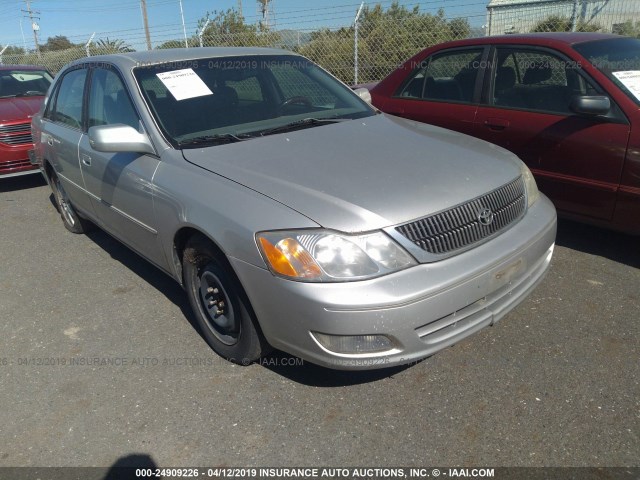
{"x": 120, "y": 184}
{"x": 577, "y": 160}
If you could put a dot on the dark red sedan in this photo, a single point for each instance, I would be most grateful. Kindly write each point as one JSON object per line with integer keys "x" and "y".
{"x": 22, "y": 90}
{"x": 568, "y": 104}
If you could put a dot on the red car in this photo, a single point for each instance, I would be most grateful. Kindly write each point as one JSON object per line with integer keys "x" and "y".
{"x": 22, "y": 90}
{"x": 568, "y": 104}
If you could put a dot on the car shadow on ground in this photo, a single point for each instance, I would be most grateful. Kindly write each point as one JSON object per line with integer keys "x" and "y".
{"x": 22, "y": 182}
{"x": 145, "y": 270}
{"x": 278, "y": 362}
{"x": 619, "y": 247}
{"x": 306, "y": 373}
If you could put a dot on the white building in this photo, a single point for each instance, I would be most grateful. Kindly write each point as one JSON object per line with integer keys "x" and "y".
{"x": 521, "y": 16}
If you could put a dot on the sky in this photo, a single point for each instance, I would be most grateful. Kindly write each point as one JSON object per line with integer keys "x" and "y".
{"x": 122, "y": 19}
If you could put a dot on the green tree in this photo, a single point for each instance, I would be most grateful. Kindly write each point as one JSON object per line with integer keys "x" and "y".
{"x": 628, "y": 28}
{"x": 106, "y": 46}
{"x": 386, "y": 39}
{"x": 333, "y": 49}
{"x": 229, "y": 29}
{"x": 57, "y": 43}
{"x": 12, "y": 50}
{"x": 556, "y": 23}
{"x": 191, "y": 42}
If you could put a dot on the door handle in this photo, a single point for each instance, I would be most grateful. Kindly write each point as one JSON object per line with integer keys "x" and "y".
{"x": 86, "y": 160}
{"x": 496, "y": 123}
{"x": 50, "y": 141}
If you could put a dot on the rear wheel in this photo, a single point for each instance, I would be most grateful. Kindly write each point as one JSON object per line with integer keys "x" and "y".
{"x": 220, "y": 304}
{"x": 72, "y": 221}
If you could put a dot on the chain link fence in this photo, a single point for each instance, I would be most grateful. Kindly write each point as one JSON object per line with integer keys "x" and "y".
{"x": 387, "y": 35}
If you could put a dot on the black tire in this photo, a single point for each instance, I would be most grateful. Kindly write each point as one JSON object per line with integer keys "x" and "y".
{"x": 70, "y": 218}
{"x": 220, "y": 304}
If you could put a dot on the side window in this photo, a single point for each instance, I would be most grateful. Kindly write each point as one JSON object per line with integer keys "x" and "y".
{"x": 448, "y": 76}
{"x": 48, "y": 111}
{"x": 109, "y": 102}
{"x": 68, "y": 106}
{"x": 535, "y": 80}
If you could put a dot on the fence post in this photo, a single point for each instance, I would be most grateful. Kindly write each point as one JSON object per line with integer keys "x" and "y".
{"x": 86, "y": 47}
{"x": 574, "y": 16}
{"x": 355, "y": 43}
{"x": 202, "y": 31}
{"x": 184, "y": 30}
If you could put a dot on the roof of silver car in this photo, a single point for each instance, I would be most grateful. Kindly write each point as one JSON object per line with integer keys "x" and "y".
{"x": 151, "y": 57}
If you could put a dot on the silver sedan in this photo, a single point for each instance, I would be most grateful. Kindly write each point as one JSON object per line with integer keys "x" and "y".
{"x": 294, "y": 214}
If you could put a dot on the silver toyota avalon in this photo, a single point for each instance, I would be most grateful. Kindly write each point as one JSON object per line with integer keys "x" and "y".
{"x": 294, "y": 214}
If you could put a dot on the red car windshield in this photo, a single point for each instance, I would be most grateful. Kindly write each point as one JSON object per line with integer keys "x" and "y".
{"x": 618, "y": 59}
{"x": 24, "y": 83}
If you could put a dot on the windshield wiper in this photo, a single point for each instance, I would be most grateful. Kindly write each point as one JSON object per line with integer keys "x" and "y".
{"x": 307, "y": 122}
{"x": 213, "y": 140}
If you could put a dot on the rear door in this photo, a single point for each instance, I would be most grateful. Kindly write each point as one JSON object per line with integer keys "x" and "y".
{"x": 577, "y": 160}
{"x": 120, "y": 184}
{"x": 443, "y": 90}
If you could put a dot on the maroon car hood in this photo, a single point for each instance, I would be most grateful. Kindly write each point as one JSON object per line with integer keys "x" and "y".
{"x": 19, "y": 108}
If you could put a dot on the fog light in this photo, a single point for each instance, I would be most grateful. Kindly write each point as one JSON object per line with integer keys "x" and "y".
{"x": 354, "y": 343}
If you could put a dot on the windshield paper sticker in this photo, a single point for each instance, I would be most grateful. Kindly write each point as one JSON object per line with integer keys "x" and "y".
{"x": 631, "y": 80}
{"x": 184, "y": 84}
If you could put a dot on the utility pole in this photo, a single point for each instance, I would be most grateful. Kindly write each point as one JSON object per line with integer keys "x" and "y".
{"x": 34, "y": 26}
{"x": 145, "y": 21}
{"x": 240, "y": 7}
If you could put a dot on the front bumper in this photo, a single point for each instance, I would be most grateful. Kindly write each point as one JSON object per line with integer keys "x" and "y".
{"x": 422, "y": 309}
{"x": 16, "y": 161}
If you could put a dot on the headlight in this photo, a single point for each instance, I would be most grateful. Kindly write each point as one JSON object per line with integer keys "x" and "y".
{"x": 324, "y": 256}
{"x": 529, "y": 183}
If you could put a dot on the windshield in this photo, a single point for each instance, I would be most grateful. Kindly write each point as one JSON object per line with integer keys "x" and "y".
{"x": 618, "y": 59}
{"x": 219, "y": 100}
{"x": 24, "y": 83}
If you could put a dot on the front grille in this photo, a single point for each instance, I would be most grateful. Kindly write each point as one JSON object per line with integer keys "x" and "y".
{"x": 21, "y": 139}
{"x": 460, "y": 226}
{"x": 16, "y": 134}
{"x": 16, "y": 127}
{"x": 13, "y": 164}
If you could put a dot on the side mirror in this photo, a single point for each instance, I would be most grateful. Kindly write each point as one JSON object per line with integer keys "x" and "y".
{"x": 119, "y": 138}
{"x": 364, "y": 94}
{"x": 591, "y": 105}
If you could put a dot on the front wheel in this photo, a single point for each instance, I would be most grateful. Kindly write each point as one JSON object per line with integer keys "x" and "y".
{"x": 220, "y": 305}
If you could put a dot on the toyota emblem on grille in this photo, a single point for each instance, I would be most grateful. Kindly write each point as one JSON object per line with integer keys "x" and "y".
{"x": 485, "y": 216}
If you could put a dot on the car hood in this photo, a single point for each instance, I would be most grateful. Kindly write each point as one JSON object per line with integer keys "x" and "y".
{"x": 19, "y": 108}
{"x": 364, "y": 174}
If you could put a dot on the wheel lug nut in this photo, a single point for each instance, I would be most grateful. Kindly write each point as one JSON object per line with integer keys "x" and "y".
{"x": 221, "y": 304}
{"x": 212, "y": 303}
{"x": 212, "y": 290}
{"x": 219, "y": 312}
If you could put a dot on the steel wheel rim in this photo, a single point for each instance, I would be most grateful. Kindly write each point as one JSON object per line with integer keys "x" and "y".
{"x": 218, "y": 311}
{"x": 63, "y": 202}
